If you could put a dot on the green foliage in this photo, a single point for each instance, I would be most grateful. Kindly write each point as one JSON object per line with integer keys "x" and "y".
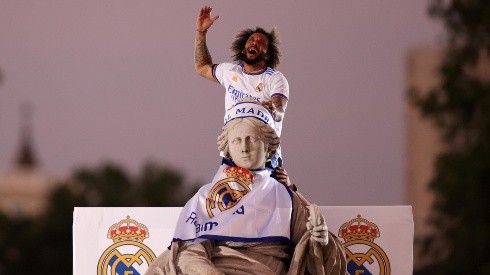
{"x": 460, "y": 107}
{"x": 17, "y": 240}
{"x": 43, "y": 245}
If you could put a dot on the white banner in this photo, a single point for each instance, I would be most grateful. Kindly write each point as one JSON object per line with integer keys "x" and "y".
{"x": 110, "y": 240}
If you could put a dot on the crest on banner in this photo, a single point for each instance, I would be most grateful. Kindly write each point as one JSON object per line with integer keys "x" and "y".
{"x": 364, "y": 256}
{"x": 128, "y": 254}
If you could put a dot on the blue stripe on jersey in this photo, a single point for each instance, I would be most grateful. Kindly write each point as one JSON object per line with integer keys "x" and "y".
{"x": 269, "y": 71}
{"x": 279, "y": 94}
{"x": 214, "y": 67}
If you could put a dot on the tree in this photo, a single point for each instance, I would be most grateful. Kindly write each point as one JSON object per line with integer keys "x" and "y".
{"x": 44, "y": 245}
{"x": 17, "y": 239}
{"x": 460, "y": 107}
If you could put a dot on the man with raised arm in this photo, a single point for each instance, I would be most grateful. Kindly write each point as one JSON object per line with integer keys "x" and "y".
{"x": 251, "y": 75}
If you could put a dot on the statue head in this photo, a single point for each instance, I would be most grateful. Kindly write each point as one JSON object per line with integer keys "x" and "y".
{"x": 248, "y": 137}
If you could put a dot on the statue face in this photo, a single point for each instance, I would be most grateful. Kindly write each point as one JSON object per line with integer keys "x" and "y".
{"x": 246, "y": 145}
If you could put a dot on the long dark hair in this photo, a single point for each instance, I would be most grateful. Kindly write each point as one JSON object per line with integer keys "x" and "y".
{"x": 273, "y": 53}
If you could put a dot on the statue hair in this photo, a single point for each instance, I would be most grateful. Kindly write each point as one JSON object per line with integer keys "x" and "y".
{"x": 271, "y": 139}
{"x": 273, "y": 53}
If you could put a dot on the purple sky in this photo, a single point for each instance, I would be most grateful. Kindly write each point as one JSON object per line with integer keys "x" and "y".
{"x": 114, "y": 80}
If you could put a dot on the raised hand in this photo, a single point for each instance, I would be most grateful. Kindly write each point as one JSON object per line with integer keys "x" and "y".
{"x": 204, "y": 19}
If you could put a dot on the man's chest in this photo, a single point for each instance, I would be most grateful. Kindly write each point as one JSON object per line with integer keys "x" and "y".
{"x": 247, "y": 85}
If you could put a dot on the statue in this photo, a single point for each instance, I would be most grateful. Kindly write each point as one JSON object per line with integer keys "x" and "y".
{"x": 246, "y": 222}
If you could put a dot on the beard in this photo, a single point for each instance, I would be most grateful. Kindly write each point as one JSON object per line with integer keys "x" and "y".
{"x": 253, "y": 61}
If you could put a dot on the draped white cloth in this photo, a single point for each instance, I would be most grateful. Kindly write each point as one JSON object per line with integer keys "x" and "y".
{"x": 235, "y": 208}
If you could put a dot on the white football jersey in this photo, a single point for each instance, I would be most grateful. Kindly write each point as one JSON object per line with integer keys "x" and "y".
{"x": 260, "y": 86}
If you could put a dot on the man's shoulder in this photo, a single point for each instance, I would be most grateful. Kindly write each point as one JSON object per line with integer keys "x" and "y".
{"x": 229, "y": 65}
{"x": 274, "y": 73}
{"x": 275, "y": 76}
{"x": 223, "y": 71}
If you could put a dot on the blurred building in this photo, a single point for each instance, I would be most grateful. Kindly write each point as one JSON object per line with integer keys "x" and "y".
{"x": 423, "y": 141}
{"x": 422, "y": 144}
{"x": 24, "y": 188}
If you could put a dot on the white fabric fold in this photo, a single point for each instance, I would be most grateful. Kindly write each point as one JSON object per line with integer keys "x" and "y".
{"x": 231, "y": 209}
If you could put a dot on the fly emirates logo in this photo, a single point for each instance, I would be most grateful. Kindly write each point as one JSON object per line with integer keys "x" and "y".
{"x": 236, "y": 94}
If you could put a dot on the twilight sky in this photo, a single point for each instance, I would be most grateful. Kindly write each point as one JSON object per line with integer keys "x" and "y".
{"x": 114, "y": 80}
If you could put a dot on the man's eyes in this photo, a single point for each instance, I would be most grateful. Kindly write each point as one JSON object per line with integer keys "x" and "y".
{"x": 261, "y": 42}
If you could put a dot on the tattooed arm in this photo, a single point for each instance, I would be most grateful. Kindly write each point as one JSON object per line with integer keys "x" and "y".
{"x": 279, "y": 104}
{"x": 202, "y": 57}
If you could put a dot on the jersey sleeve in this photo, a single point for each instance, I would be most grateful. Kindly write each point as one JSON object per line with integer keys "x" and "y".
{"x": 219, "y": 71}
{"x": 279, "y": 86}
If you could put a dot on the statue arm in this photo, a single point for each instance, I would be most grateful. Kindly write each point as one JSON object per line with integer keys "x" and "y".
{"x": 311, "y": 256}
{"x": 196, "y": 259}
{"x": 185, "y": 258}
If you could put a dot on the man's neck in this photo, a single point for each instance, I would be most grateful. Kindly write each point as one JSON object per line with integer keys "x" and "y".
{"x": 253, "y": 68}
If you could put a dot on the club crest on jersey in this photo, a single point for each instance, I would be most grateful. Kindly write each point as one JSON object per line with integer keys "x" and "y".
{"x": 235, "y": 78}
{"x": 128, "y": 254}
{"x": 228, "y": 192}
{"x": 363, "y": 255}
{"x": 260, "y": 87}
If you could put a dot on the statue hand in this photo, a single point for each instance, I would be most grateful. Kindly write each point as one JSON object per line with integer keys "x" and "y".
{"x": 316, "y": 225}
{"x": 204, "y": 19}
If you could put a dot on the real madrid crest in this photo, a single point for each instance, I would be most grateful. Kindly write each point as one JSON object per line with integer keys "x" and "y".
{"x": 260, "y": 87}
{"x": 363, "y": 255}
{"x": 227, "y": 192}
{"x": 128, "y": 254}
